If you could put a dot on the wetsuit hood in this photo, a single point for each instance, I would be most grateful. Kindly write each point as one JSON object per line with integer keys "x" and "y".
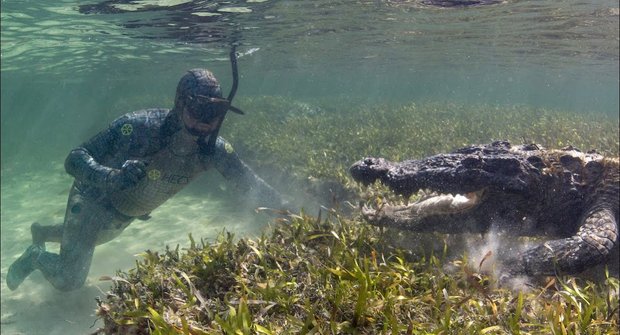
{"x": 199, "y": 92}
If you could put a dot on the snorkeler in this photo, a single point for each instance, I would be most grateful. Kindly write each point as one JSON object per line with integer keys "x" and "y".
{"x": 130, "y": 169}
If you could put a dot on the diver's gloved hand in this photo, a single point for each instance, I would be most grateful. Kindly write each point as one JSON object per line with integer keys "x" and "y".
{"x": 127, "y": 176}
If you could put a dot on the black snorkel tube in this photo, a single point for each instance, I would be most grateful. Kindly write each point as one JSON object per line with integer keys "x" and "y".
{"x": 233, "y": 90}
{"x": 235, "y": 73}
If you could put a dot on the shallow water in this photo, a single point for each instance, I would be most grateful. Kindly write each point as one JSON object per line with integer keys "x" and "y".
{"x": 70, "y": 67}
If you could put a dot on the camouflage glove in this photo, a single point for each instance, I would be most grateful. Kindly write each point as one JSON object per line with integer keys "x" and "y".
{"x": 127, "y": 176}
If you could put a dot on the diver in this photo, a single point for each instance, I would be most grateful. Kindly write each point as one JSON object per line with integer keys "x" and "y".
{"x": 130, "y": 169}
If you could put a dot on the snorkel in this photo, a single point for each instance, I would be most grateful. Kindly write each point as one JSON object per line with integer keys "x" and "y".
{"x": 227, "y": 102}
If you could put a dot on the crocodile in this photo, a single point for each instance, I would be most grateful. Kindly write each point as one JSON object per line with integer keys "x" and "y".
{"x": 567, "y": 197}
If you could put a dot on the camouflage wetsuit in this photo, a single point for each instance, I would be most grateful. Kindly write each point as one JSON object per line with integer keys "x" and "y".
{"x": 124, "y": 173}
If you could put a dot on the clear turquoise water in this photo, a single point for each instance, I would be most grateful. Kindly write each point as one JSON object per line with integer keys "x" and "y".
{"x": 68, "y": 69}
{"x": 64, "y": 72}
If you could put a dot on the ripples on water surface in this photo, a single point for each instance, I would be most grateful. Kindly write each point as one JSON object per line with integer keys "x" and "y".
{"x": 66, "y": 36}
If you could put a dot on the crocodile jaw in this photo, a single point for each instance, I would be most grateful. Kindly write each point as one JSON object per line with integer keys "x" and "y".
{"x": 446, "y": 204}
{"x": 428, "y": 206}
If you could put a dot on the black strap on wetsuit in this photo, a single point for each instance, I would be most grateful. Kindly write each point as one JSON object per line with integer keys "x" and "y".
{"x": 210, "y": 148}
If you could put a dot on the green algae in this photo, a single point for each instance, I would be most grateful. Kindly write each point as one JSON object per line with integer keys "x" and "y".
{"x": 338, "y": 276}
{"x": 318, "y": 142}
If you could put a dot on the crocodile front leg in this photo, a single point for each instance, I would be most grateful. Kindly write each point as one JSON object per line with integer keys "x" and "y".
{"x": 591, "y": 245}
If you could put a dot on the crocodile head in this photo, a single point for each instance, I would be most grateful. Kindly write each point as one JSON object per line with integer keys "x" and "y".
{"x": 471, "y": 188}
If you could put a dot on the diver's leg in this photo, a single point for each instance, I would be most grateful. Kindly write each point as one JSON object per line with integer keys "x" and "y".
{"x": 23, "y": 266}
{"x": 84, "y": 219}
{"x": 42, "y": 234}
{"x": 66, "y": 271}
{"x": 20, "y": 269}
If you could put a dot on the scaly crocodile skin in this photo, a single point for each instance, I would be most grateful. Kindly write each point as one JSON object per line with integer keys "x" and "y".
{"x": 563, "y": 194}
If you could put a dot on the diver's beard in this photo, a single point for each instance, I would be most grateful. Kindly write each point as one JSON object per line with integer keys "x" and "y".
{"x": 197, "y": 138}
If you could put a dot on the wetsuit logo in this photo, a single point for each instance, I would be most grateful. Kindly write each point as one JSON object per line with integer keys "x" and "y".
{"x": 154, "y": 174}
{"x": 127, "y": 129}
{"x": 229, "y": 148}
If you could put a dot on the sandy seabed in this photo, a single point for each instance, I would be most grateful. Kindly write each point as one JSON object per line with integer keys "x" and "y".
{"x": 41, "y": 196}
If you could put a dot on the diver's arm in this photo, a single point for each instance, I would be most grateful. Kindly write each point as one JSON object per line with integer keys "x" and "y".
{"x": 228, "y": 163}
{"x": 83, "y": 162}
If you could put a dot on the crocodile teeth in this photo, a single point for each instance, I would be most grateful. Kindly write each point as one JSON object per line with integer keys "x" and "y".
{"x": 426, "y": 194}
{"x": 446, "y": 203}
